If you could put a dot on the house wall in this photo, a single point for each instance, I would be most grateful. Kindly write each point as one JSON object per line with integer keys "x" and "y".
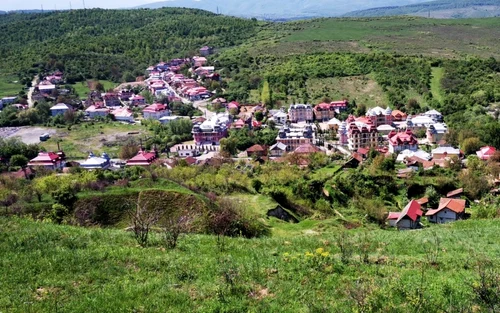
{"x": 407, "y": 223}
{"x": 443, "y": 216}
{"x": 57, "y": 112}
{"x": 392, "y": 222}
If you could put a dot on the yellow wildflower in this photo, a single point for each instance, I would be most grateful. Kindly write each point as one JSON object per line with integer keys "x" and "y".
{"x": 309, "y": 254}
{"x": 325, "y": 254}
{"x": 320, "y": 250}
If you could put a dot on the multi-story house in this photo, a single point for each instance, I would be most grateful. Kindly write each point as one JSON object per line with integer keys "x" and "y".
{"x": 361, "y": 135}
{"x": 292, "y": 138}
{"x": 155, "y": 111}
{"x": 300, "y": 113}
{"x": 402, "y": 141}
{"x": 211, "y": 131}
{"x": 379, "y": 116}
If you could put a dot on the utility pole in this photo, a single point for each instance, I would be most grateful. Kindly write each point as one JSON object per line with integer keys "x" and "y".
{"x": 70, "y": 7}
{"x": 42, "y": 7}
{"x": 83, "y": 4}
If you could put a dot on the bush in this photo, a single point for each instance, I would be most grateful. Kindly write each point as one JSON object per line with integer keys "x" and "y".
{"x": 228, "y": 220}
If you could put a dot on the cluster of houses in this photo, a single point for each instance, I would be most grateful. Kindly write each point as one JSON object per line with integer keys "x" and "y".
{"x": 449, "y": 209}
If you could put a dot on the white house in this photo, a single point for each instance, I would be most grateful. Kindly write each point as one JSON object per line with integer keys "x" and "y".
{"x": 60, "y": 108}
{"x": 277, "y": 150}
{"x": 435, "y": 115}
{"x": 449, "y": 210}
{"x": 168, "y": 119}
{"x": 93, "y": 162}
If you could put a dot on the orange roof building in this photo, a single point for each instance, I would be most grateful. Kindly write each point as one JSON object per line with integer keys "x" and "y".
{"x": 449, "y": 210}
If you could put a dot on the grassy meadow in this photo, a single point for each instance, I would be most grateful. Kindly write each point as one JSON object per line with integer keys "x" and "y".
{"x": 407, "y": 35}
{"x": 9, "y": 86}
{"x": 98, "y": 138}
{"x": 49, "y": 268}
{"x": 82, "y": 88}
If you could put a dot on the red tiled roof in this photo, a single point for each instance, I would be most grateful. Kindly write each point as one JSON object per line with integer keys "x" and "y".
{"x": 363, "y": 151}
{"x": 306, "y": 148}
{"x": 422, "y": 201}
{"x": 393, "y": 215}
{"x": 401, "y": 138}
{"x": 486, "y": 152}
{"x": 256, "y": 148}
{"x": 156, "y": 107}
{"x": 412, "y": 210}
{"x": 142, "y": 158}
{"x": 455, "y": 192}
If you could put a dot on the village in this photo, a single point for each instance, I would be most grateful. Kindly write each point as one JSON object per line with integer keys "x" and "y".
{"x": 417, "y": 142}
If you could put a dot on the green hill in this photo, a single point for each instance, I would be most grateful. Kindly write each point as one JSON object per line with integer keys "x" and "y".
{"x": 437, "y": 9}
{"x": 49, "y": 268}
{"x": 105, "y": 44}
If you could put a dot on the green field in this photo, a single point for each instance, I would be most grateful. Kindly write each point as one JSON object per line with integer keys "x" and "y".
{"x": 9, "y": 86}
{"x": 98, "y": 138}
{"x": 82, "y": 88}
{"x": 407, "y": 35}
{"x": 49, "y": 268}
{"x": 362, "y": 89}
{"x": 437, "y": 75}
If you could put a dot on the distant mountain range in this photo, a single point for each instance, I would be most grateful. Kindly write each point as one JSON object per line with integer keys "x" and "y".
{"x": 437, "y": 9}
{"x": 279, "y": 9}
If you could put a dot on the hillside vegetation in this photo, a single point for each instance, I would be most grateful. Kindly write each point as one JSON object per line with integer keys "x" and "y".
{"x": 105, "y": 44}
{"x": 49, "y": 268}
{"x": 437, "y": 9}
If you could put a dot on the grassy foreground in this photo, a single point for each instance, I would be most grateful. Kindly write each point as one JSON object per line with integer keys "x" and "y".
{"x": 49, "y": 268}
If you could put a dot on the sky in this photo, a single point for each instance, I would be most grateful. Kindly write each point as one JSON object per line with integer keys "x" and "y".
{"x": 7, "y": 5}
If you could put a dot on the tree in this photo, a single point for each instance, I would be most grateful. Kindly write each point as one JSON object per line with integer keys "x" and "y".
{"x": 259, "y": 116}
{"x": 128, "y": 151}
{"x": 471, "y": 145}
{"x": 18, "y": 160}
{"x": 228, "y": 146}
{"x": 174, "y": 225}
{"x": 143, "y": 219}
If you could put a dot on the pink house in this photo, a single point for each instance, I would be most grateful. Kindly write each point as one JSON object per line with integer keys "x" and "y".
{"x": 485, "y": 153}
{"x": 142, "y": 158}
{"x": 402, "y": 141}
{"x": 49, "y": 160}
{"x": 97, "y": 110}
{"x": 155, "y": 111}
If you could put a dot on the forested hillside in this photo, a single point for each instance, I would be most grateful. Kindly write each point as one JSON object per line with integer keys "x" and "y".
{"x": 104, "y": 44}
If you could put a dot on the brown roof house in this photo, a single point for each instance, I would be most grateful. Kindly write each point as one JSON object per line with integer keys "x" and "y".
{"x": 257, "y": 151}
{"x": 449, "y": 210}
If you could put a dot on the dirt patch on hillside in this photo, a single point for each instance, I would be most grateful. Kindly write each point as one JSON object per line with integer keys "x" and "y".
{"x": 28, "y": 135}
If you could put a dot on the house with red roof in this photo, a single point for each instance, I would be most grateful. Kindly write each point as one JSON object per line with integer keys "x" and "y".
{"x": 306, "y": 148}
{"x": 449, "y": 210}
{"x": 97, "y": 110}
{"x": 143, "y": 158}
{"x": 233, "y": 105}
{"x": 398, "y": 116}
{"x": 257, "y": 151}
{"x": 206, "y": 51}
{"x": 155, "y": 111}
{"x": 409, "y": 218}
{"x": 239, "y": 124}
{"x": 402, "y": 141}
{"x": 485, "y": 153}
{"x": 48, "y": 160}
{"x": 123, "y": 115}
{"x": 326, "y": 111}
